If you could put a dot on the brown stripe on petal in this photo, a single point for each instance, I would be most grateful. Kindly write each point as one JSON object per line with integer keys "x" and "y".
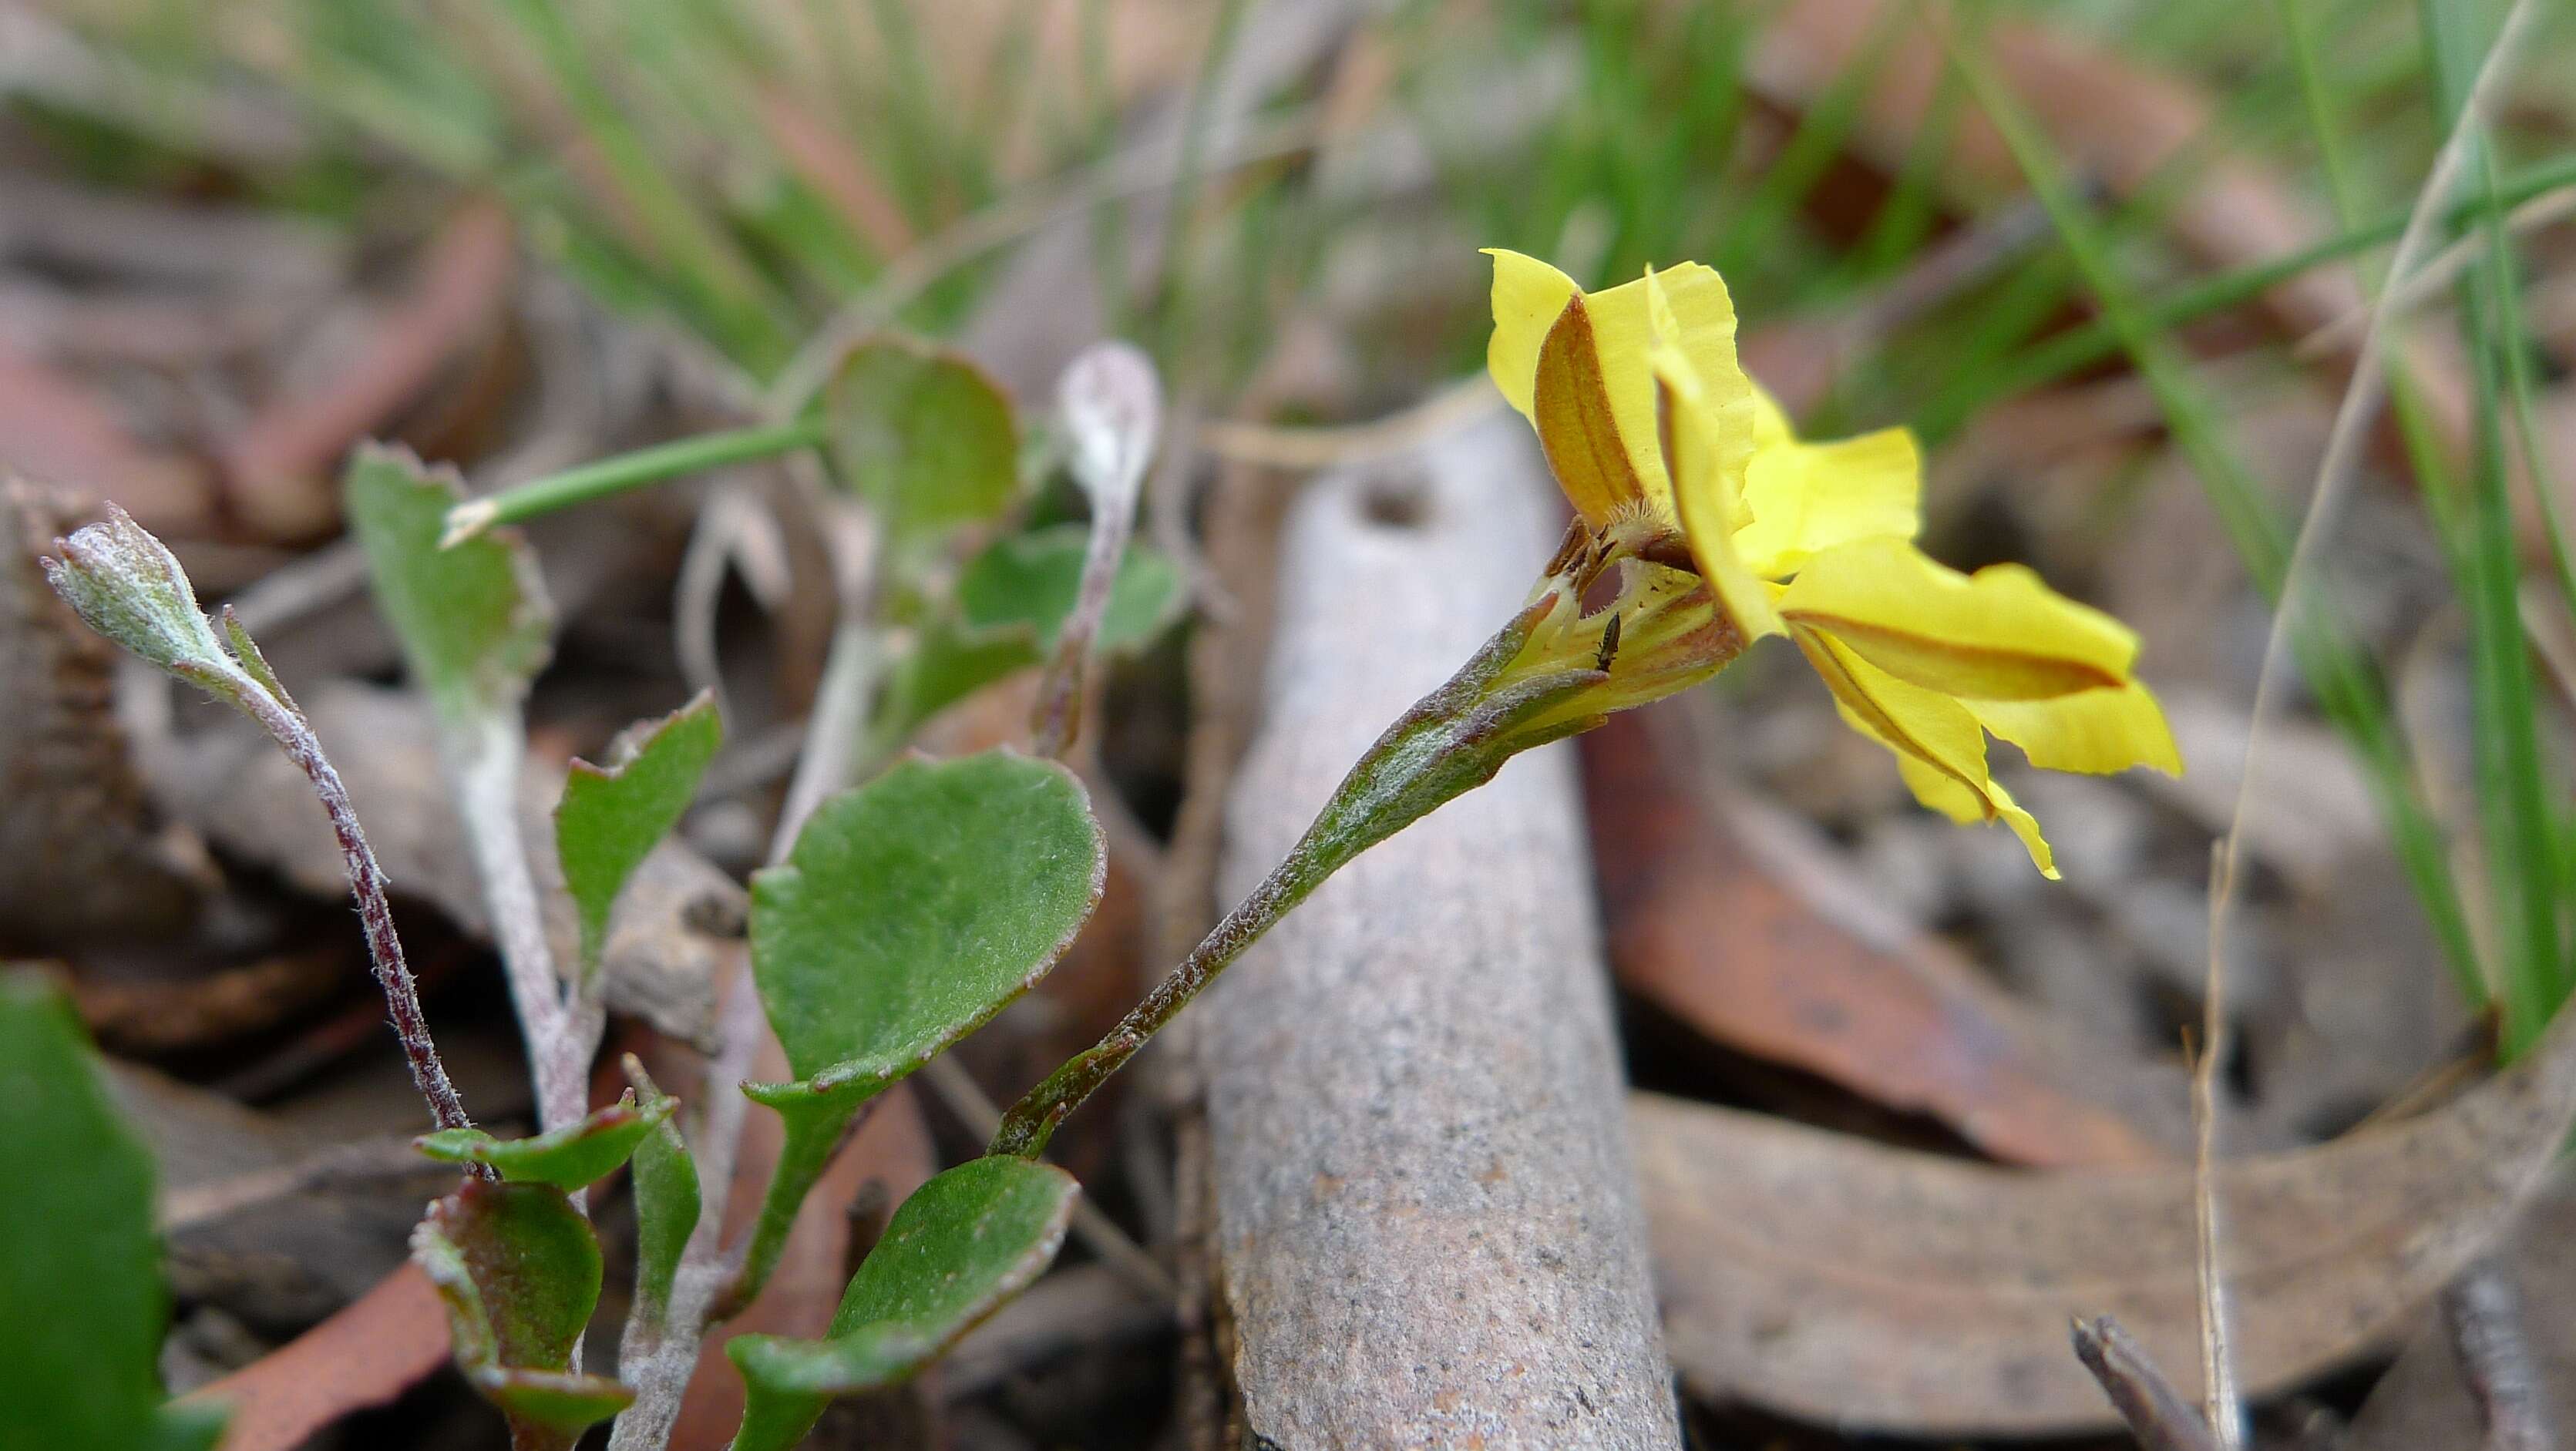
{"x": 1980, "y": 672}
{"x": 1894, "y": 735}
{"x": 1570, "y": 404}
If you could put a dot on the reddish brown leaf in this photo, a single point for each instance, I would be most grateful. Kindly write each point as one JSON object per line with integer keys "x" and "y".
{"x": 383, "y": 1344}
{"x": 278, "y": 462}
{"x": 1701, "y": 924}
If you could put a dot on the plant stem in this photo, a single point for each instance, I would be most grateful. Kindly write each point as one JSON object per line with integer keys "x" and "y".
{"x": 1452, "y": 741}
{"x": 288, "y": 728}
{"x": 608, "y": 476}
{"x": 485, "y": 755}
{"x": 1032, "y": 1121}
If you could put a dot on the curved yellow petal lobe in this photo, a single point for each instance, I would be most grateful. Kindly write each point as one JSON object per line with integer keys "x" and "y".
{"x": 1999, "y": 634}
{"x": 1705, "y": 452}
{"x": 1940, "y": 747}
{"x": 1589, "y": 390}
{"x": 2099, "y": 731}
{"x": 1528, "y": 297}
{"x": 1806, "y": 498}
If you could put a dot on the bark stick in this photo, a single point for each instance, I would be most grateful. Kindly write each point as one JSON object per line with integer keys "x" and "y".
{"x": 1428, "y": 1225}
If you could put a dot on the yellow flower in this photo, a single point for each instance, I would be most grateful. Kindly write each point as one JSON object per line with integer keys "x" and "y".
{"x": 1645, "y": 414}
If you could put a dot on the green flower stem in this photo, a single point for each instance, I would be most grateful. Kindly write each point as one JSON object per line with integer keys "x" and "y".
{"x": 1449, "y": 743}
{"x": 626, "y": 471}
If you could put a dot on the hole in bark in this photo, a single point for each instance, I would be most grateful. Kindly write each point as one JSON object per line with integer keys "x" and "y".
{"x": 1401, "y": 501}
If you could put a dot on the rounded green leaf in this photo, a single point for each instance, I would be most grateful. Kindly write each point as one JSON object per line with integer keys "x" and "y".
{"x": 915, "y": 907}
{"x": 569, "y": 1157}
{"x": 924, "y": 435}
{"x": 611, "y": 817}
{"x": 519, "y": 1270}
{"x": 961, "y": 1246}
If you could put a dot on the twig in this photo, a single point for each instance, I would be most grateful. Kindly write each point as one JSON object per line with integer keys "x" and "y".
{"x": 2157, "y": 1413}
{"x": 2217, "y": 1366}
{"x": 2440, "y": 272}
{"x": 1453, "y": 406}
{"x": 2483, "y": 1317}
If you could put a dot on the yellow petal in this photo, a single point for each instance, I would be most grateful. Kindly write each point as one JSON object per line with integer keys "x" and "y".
{"x": 1579, "y": 373}
{"x": 1940, "y": 749}
{"x": 1806, "y": 498}
{"x": 2100, "y": 731}
{"x": 1705, "y": 449}
{"x": 1528, "y": 296}
{"x": 1770, "y": 421}
{"x": 1999, "y": 634}
{"x": 1943, "y": 794}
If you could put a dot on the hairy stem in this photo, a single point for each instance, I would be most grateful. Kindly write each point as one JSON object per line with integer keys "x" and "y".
{"x": 375, "y": 911}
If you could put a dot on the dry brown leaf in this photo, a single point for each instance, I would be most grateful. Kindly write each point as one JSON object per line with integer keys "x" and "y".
{"x": 279, "y": 464}
{"x": 2426, "y": 1400}
{"x": 1718, "y": 934}
{"x": 384, "y": 1343}
{"x": 1831, "y": 1278}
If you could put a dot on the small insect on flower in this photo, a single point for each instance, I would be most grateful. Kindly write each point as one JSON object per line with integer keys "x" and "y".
{"x": 1672, "y": 456}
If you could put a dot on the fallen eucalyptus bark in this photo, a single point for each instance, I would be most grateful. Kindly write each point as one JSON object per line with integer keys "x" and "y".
{"x": 1428, "y": 1224}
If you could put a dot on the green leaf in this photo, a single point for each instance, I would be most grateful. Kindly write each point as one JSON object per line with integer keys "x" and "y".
{"x": 1012, "y": 601}
{"x": 1033, "y": 580}
{"x": 569, "y": 1157}
{"x": 925, "y": 436}
{"x": 519, "y": 1269}
{"x": 960, "y": 1247}
{"x": 915, "y": 907}
{"x": 473, "y": 620}
{"x": 611, "y": 817}
{"x": 666, "y": 1198}
{"x": 910, "y": 912}
{"x": 82, "y": 1306}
